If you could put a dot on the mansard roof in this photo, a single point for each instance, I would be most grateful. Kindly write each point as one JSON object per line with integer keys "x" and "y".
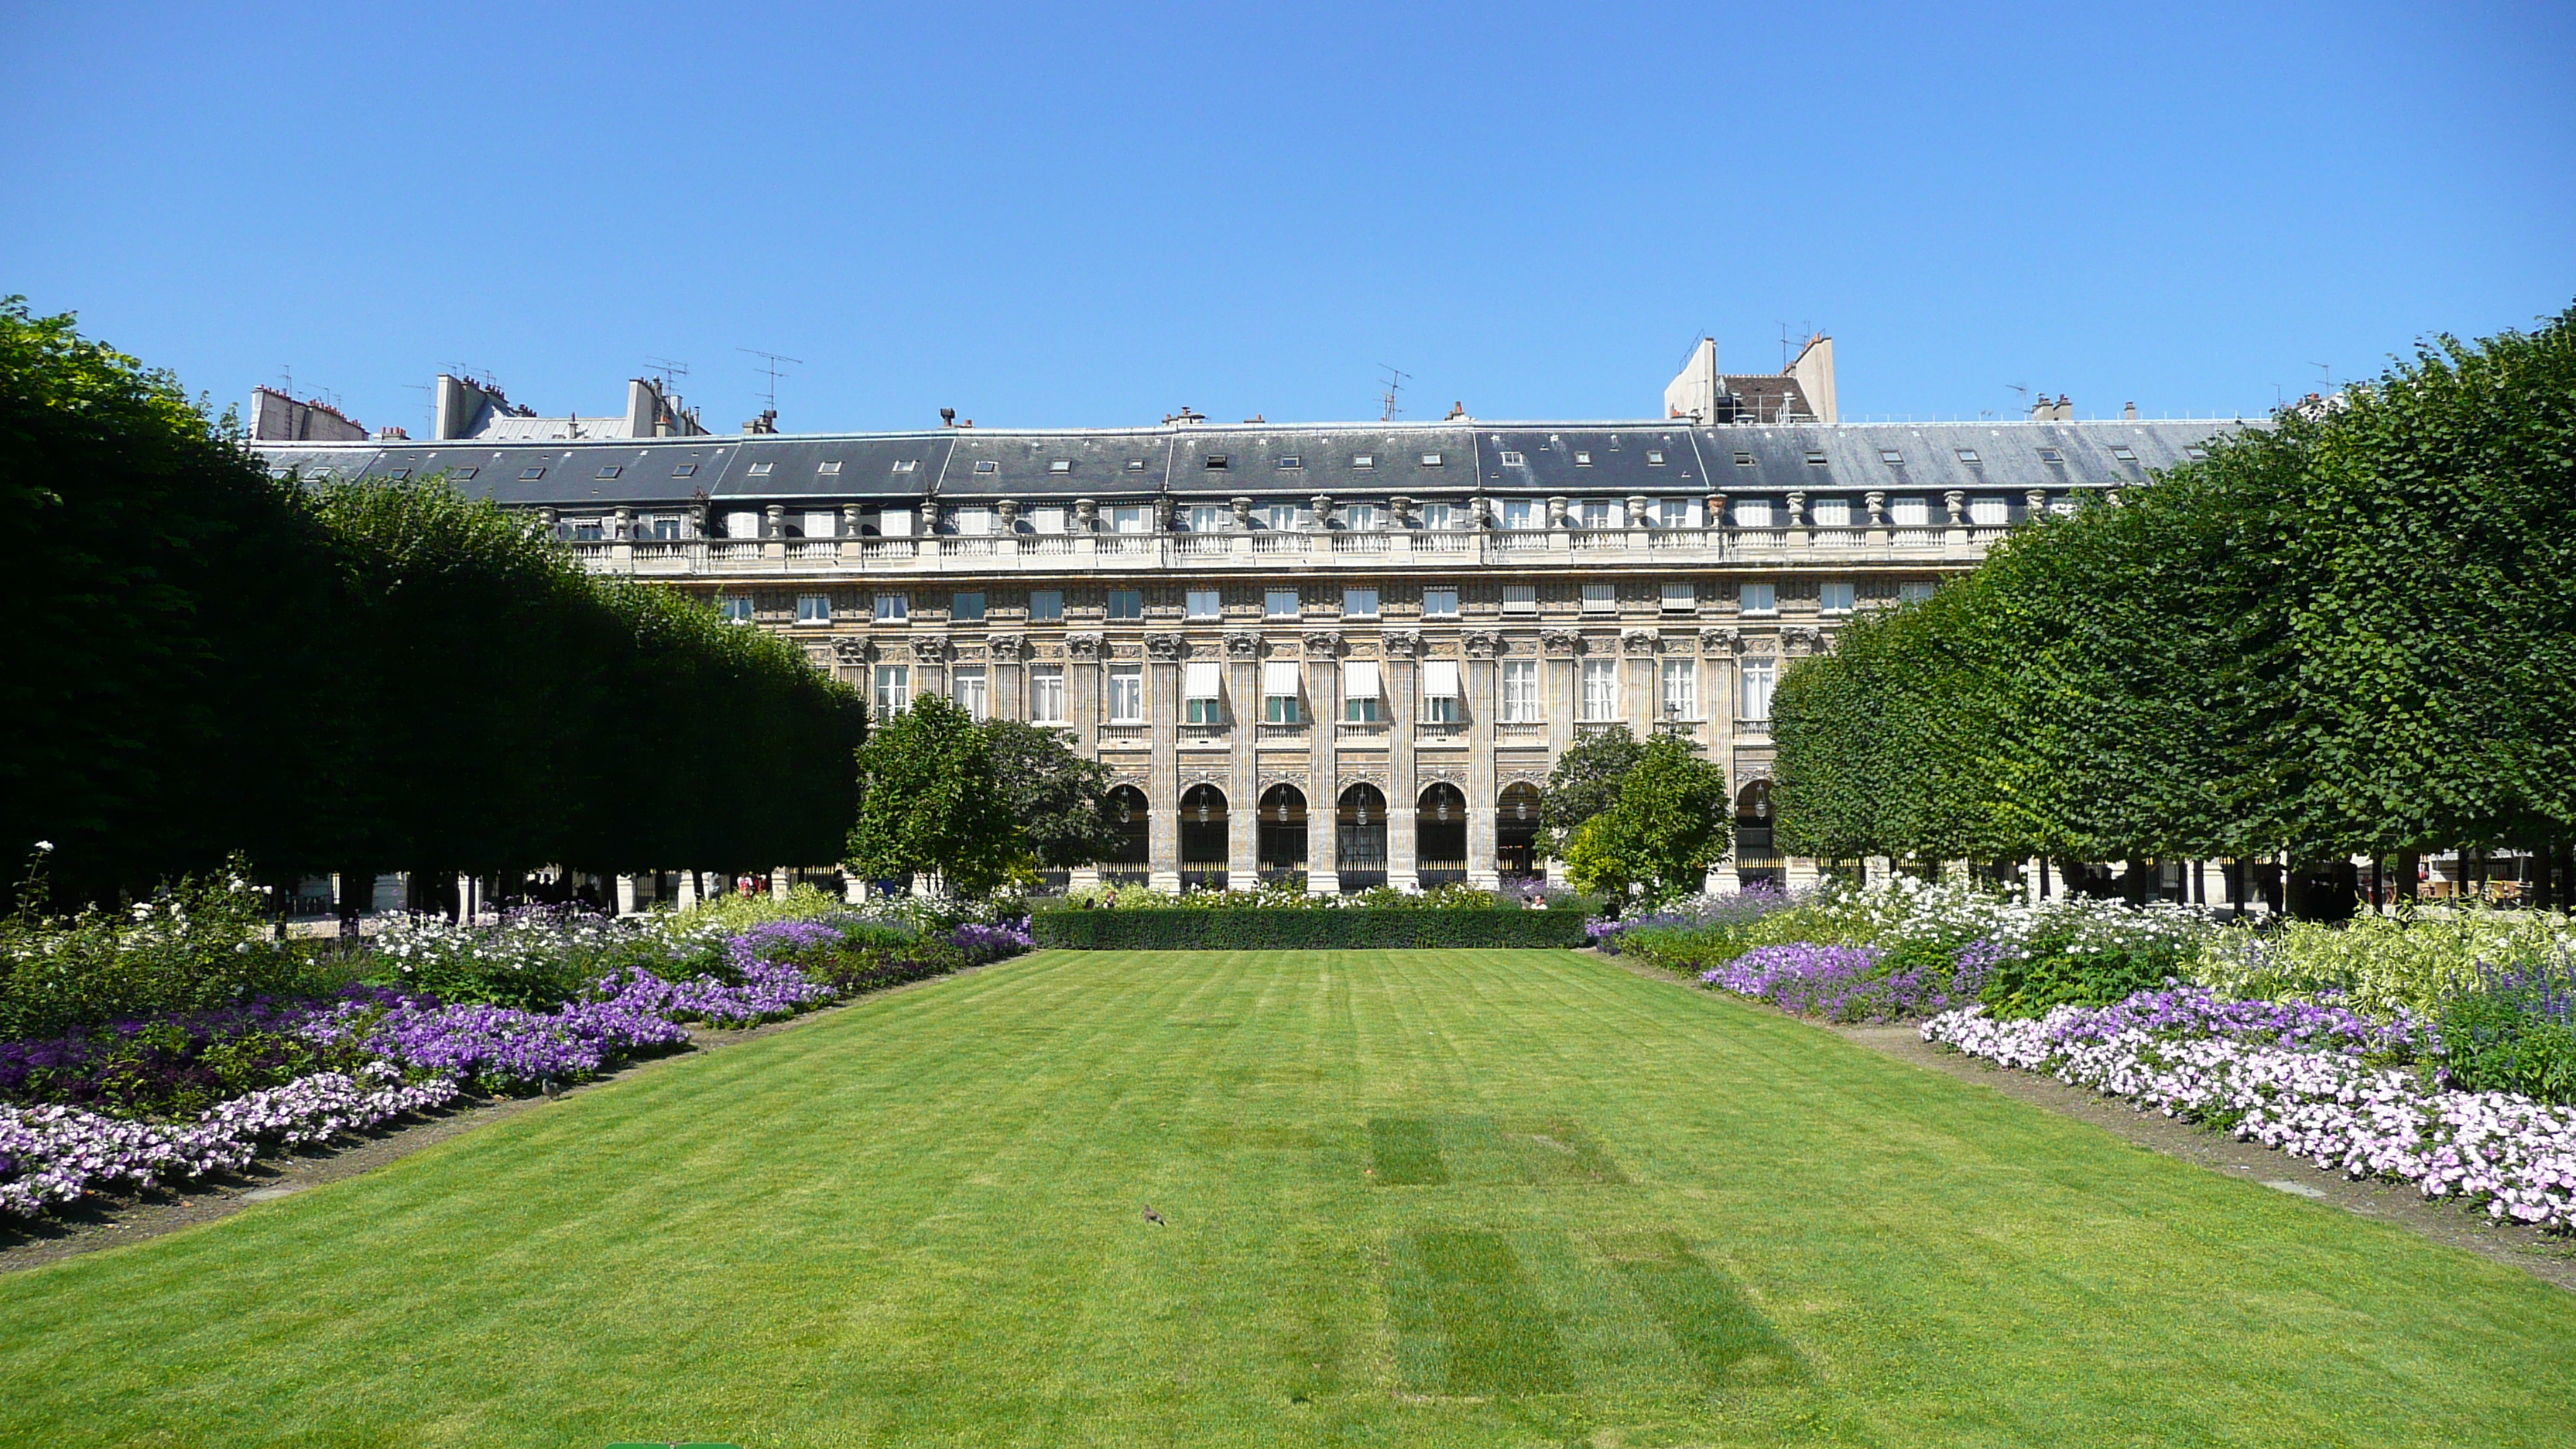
{"x": 1266, "y": 460}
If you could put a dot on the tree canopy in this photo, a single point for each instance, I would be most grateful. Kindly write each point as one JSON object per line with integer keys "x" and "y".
{"x": 1059, "y": 798}
{"x": 1665, "y": 830}
{"x": 1585, "y": 783}
{"x": 929, "y": 802}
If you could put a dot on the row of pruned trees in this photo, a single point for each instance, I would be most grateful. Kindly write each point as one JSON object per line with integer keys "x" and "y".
{"x": 202, "y": 659}
{"x": 2352, "y": 632}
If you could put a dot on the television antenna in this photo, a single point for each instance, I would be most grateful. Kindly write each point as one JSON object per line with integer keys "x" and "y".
{"x": 769, "y": 369}
{"x": 286, "y": 378}
{"x": 2023, "y": 390}
{"x": 2325, "y": 375}
{"x": 669, "y": 370}
{"x": 1395, "y": 380}
{"x": 1784, "y": 344}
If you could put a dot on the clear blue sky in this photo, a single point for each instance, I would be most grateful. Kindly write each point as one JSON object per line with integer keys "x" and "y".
{"x": 1080, "y": 216}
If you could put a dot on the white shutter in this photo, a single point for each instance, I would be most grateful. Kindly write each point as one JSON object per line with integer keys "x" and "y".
{"x": 1201, "y": 681}
{"x": 742, "y": 523}
{"x": 1440, "y": 678}
{"x": 1279, "y": 677}
{"x": 1359, "y": 679}
{"x": 895, "y": 523}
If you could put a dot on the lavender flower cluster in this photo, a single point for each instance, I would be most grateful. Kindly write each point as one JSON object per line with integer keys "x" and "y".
{"x": 1855, "y": 983}
{"x": 2301, "y": 1079}
{"x": 52, "y": 1155}
{"x": 987, "y": 942}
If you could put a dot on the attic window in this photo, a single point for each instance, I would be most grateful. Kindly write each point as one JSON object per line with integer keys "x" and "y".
{"x": 1060, "y": 465}
{"x": 1968, "y": 456}
{"x": 398, "y": 474}
{"x": 828, "y": 466}
{"x": 1364, "y": 460}
{"x": 1135, "y": 465}
{"x": 2051, "y": 455}
{"x": 1216, "y": 462}
{"x": 1891, "y": 457}
{"x": 2195, "y": 452}
{"x": 323, "y": 474}
{"x": 1583, "y": 460}
{"x": 1815, "y": 457}
{"x": 1654, "y": 457}
{"x": 526, "y": 474}
{"x": 1431, "y": 460}
{"x": 759, "y": 470}
{"x": 2124, "y": 454}
{"x": 906, "y": 465}
{"x": 1512, "y": 459}
{"x": 1743, "y": 459}
{"x": 462, "y": 473}
{"x": 987, "y": 465}
{"x": 1291, "y": 460}
{"x": 611, "y": 471}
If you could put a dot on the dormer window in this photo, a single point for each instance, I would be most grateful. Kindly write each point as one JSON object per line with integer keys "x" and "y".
{"x": 1582, "y": 460}
{"x": 1654, "y": 457}
{"x": 1431, "y": 460}
{"x": 1364, "y": 460}
{"x": 1291, "y": 460}
{"x": 1743, "y": 459}
{"x": 987, "y": 465}
{"x": 1512, "y": 459}
{"x": 1216, "y": 462}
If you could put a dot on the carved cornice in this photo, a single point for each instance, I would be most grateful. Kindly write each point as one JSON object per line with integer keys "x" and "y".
{"x": 930, "y": 649}
{"x": 1449, "y": 774}
{"x": 1166, "y": 648}
{"x": 1800, "y": 637}
{"x": 1559, "y": 643}
{"x": 1748, "y": 771}
{"x": 852, "y": 652}
{"x": 1323, "y": 643}
{"x": 1085, "y": 646}
{"x": 1638, "y": 641}
{"x": 1482, "y": 643}
{"x": 1006, "y": 646}
{"x": 1720, "y": 641}
{"x": 1345, "y": 779}
{"x": 1401, "y": 643}
{"x": 1243, "y": 646}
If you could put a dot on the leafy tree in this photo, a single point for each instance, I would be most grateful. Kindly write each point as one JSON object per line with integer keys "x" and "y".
{"x": 928, "y": 801}
{"x": 1585, "y": 783}
{"x": 1668, "y": 827}
{"x": 1059, "y": 798}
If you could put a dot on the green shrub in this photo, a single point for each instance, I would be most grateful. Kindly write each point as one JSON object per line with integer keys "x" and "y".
{"x": 2063, "y": 970}
{"x": 2512, "y": 1032}
{"x": 2416, "y": 959}
{"x": 1179, "y": 928}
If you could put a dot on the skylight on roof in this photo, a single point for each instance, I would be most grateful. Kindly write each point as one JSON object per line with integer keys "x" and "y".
{"x": 527, "y": 474}
{"x": 1364, "y": 460}
{"x": 828, "y": 466}
{"x": 1135, "y": 465}
{"x": 1654, "y": 457}
{"x": 399, "y": 474}
{"x": 2195, "y": 452}
{"x": 610, "y": 471}
{"x": 1968, "y": 456}
{"x": 2123, "y": 453}
{"x": 1216, "y": 462}
{"x": 1060, "y": 465}
{"x": 1291, "y": 460}
{"x": 906, "y": 465}
{"x": 1743, "y": 459}
{"x": 1815, "y": 457}
{"x": 1512, "y": 459}
{"x": 759, "y": 470}
{"x": 463, "y": 473}
{"x": 1431, "y": 460}
{"x": 1582, "y": 460}
{"x": 2051, "y": 455}
{"x": 1891, "y": 457}
{"x": 987, "y": 465}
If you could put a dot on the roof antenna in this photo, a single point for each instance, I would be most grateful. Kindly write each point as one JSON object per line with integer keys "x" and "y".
{"x": 1395, "y": 381}
{"x": 286, "y": 375}
{"x": 771, "y": 360}
{"x": 2326, "y": 371}
{"x": 1784, "y": 345}
{"x": 668, "y": 370}
{"x": 2025, "y": 396}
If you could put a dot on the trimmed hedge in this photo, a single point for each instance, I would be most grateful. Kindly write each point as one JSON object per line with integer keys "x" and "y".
{"x": 1188, "y": 928}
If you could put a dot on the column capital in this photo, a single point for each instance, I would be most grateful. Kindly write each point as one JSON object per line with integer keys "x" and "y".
{"x": 1085, "y": 646}
{"x": 1482, "y": 643}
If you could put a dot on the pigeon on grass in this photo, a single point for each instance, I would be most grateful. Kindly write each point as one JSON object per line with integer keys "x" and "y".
{"x": 1155, "y": 1218}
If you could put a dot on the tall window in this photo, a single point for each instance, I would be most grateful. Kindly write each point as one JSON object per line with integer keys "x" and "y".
{"x": 1834, "y": 596}
{"x": 1439, "y": 515}
{"x": 1046, "y": 694}
{"x": 894, "y": 689}
{"x": 1753, "y": 513}
{"x": 1910, "y": 512}
{"x": 1594, "y": 513}
{"x": 1359, "y": 603}
{"x": 1279, "y": 517}
{"x": 1672, "y": 513}
{"x": 1279, "y": 692}
{"x": 1126, "y": 694}
{"x": 821, "y": 523}
{"x": 1280, "y": 603}
{"x": 1520, "y": 691}
{"x": 1760, "y": 599}
{"x": 1989, "y": 512}
{"x": 1360, "y": 691}
{"x": 1199, "y": 679}
{"x": 1202, "y": 604}
{"x": 966, "y": 608}
{"x": 1913, "y": 591}
{"x": 813, "y": 608}
{"x": 1520, "y": 598}
{"x": 1758, "y": 673}
{"x": 1362, "y": 517}
{"x": 1681, "y": 689}
{"x": 1131, "y": 519}
{"x": 1600, "y": 689}
{"x": 893, "y": 608}
{"x": 967, "y": 688}
{"x": 1440, "y": 603}
{"x": 1600, "y": 598}
{"x": 1440, "y": 691}
{"x": 1045, "y": 604}
{"x": 1126, "y": 603}
{"x": 1208, "y": 517}
{"x": 1520, "y": 513}
{"x": 1680, "y": 597}
{"x": 735, "y": 608}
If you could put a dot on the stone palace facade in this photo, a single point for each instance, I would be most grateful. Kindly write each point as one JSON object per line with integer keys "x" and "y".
{"x": 1344, "y": 653}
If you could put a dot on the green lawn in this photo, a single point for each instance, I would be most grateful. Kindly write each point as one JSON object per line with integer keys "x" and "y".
{"x": 1415, "y": 1198}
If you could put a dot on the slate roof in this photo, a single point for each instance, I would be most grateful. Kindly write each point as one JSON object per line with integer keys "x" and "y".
{"x": 1419, "y": 460}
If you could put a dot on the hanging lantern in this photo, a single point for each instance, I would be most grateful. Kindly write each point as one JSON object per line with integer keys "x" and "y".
{"x": 1441, "y": 811}
{"x": 1203, "y": 809}
{"x": 1520, "y": 808}
{"x": 1359, "y": 810}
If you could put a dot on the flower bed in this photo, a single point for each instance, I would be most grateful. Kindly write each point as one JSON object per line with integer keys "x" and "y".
{"x": 395, "y": 1050}
{"x": 2317, "y": 1081}
{"x": 1856, "y": 983}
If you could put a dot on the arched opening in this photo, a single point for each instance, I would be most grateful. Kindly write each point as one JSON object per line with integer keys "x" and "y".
{"x": 1440, "y": 835}
{"x": 1130, "y": 863}
{"x": 1282, "y": 835}
{"x": 1360, "y": 838}
{"x": 1757, "y": 858}
{"x": 1203, "y": 838}
{"x": 1516, "y": 832}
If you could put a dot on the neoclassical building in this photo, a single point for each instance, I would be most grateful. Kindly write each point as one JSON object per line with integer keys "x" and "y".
{"x": 1347, "y": 653}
